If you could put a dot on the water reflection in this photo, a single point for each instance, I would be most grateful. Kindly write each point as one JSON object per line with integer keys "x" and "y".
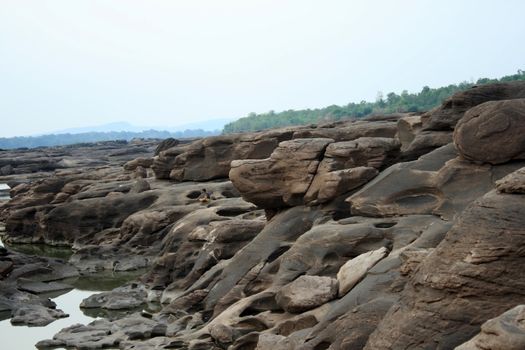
{"x": 4, "y": 193}
{"x": 23, "y": 337}
{"x": 103, "y": 280}
{"x": 48, "y": 251}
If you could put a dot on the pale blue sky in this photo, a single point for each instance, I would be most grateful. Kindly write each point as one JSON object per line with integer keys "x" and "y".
{"x": 71, "y": 63}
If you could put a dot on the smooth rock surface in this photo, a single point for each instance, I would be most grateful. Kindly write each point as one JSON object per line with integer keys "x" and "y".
{"x": 306, "y": 292}
{"x": 492, "y": 132}
{"x": 354, "y": 270}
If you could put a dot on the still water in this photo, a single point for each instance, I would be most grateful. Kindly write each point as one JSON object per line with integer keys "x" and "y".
{"x": 4, "y": 192}
{"x": 23, "y": 337}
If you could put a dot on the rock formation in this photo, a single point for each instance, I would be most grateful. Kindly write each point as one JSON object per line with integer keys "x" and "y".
{"x": 392, "y": 232}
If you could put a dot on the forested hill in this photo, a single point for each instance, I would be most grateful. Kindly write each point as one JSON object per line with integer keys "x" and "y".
{"x": 424, "y": 100}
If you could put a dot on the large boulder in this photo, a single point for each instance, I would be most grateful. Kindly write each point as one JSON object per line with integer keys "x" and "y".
{"x": 349, "y": 164}
{"x": 209, "y": 158}
{"x": 312, "y": 171}
{"x": 451, "y": 111}
{"x": 438, "y": 124}
{"x": 493, "y": 132}
{"x": 282, "y": 179}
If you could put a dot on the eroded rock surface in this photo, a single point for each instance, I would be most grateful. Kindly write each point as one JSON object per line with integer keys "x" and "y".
{"x": 284, "y": 178}
{"x": 475, "y": 274}
{"x": 423, "y": 252}
{"x": 505, "y": 332}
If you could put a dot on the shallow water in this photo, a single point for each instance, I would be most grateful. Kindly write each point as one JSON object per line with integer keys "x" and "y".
{"x": 23, "y": 337}
{"x": 4, "y": 192}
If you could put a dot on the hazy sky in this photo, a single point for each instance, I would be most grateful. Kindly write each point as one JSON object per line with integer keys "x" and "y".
{"x": 71, "y": 63}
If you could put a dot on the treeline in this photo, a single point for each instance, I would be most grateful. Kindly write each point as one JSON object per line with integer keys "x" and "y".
{"x": 87, "y": 137}
{"x": 424, "y": 100}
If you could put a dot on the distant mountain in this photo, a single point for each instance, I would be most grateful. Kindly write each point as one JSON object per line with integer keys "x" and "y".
{"x": 115, "y": 131}
{"x": 95, "y": 136}
{"x": 207, "y": 125}
{"x": 110, "y": 127}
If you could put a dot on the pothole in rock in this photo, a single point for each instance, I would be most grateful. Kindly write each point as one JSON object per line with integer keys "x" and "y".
{"x": 231, "y": 211}
{"x": 230, "y": 194}
{"x": 385, "y": 224}
{"x": 194, "y": 194}
{"x": 277, "y": 253}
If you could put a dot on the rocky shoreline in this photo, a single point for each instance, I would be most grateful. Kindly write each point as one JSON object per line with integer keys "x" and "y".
{"x": 391, "y": 232}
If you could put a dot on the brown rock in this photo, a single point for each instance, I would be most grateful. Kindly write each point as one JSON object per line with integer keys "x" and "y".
{"x": 512, "y": 183}
{"x": 349, "y": 164}
{"x": 284, "y": 178}
{"x": 166, "y": 144}
{"x": 60, "y": 197}
{"x": 437, "y": 183}
{"x": 407, "y": 128}
{"x": 505, "y": 332}
{"x": 210, "y": 158}
{"x": 350, "y": 130}
{"x": 425, "y": 142}
{"x": 375, "y": 152}
{"x": 493, "y": 132}
{"x": 329, "y": 185}
{"x": 140, "y": 186}
{"x": 451, "y": 111}
{"x": 141, "y": 161}
{"x": 475, "y": 274}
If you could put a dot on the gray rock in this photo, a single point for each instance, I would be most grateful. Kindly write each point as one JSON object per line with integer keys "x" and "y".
{"x": 41, "y": 287}
{"x": 140, "y": 186}
{"x": 354, "y": 270}
{"x": 505, "y": 332}
{"x": 36, "y": 315}
{"x": 306, "y": 292}
{"x": 126, "y": 297}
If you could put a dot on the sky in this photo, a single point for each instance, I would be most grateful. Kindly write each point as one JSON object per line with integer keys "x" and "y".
{"x": 75, "y": 63}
